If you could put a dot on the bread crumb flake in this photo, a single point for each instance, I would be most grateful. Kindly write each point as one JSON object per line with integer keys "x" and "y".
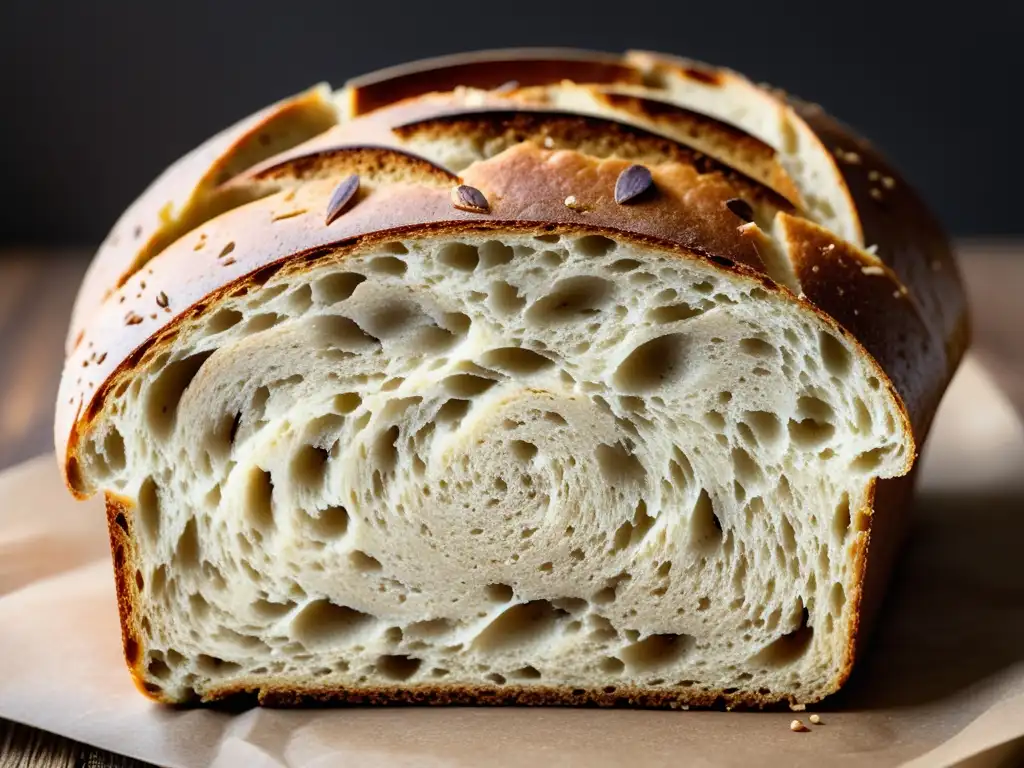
{"x": 798, "y": 727}
{"x": 815, "y": 719}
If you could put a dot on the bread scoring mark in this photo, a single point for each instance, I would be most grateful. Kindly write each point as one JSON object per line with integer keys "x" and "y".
{"x": 487, "y": 70}
{"x": 372, "y": 163}
{"x": 705, "y": 76}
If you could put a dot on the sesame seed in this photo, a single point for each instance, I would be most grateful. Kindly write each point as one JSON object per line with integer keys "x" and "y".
{"x": 888, "y": 182}
{"x": 872, "y": 270}
{"x": 573, "y": 204}
{"x": 874, "y": 175}
{"x": 876, "y": 193}
{"x": 815, "y": 269}
{"x": 896, "y": 294}
{"x": 815, "y": 719}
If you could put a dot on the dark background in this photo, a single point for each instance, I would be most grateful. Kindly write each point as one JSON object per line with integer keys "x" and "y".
{"x": 100, "y": 96}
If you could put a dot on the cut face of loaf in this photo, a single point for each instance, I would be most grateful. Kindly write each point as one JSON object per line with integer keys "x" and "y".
{"x": 536, "y": 468}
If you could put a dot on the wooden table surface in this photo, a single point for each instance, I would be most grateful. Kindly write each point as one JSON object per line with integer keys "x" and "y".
{"x": 36, "y": 291}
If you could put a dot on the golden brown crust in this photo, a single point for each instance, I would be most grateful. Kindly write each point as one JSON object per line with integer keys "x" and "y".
{"x": 602, "y": 137}
{"x": 485, "y": 70}
{"x": 744, "y": 150}
{"x": 505, "y": 695}
{"x": 908, "y": 238}
{"x": 128, "y": 583}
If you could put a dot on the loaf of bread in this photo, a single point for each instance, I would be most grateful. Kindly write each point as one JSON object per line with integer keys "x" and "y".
{"x": 532, "y": 376}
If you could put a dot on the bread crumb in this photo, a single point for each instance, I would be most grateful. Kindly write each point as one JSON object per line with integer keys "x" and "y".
{"x": 815, "y": 719}
{"x": 798, "y": 727}
{"x": 548, "y": 142}
{"x": 798, "y": 707}
{"x": 573, "y": 204}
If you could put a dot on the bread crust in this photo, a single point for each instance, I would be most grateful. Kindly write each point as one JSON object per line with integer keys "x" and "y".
{"x": 518, "y": 67}
{"x": 908, "y": 237}
{"x": 906, "y": 313}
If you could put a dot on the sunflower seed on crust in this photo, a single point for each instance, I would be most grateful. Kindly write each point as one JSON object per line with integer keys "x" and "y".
{"x": 467, "y": 198}
{"x": 632, "y": 182}
{"x": 342, "y": 198}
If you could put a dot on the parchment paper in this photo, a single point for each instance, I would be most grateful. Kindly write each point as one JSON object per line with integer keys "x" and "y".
{"x": 943, "y": 680}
